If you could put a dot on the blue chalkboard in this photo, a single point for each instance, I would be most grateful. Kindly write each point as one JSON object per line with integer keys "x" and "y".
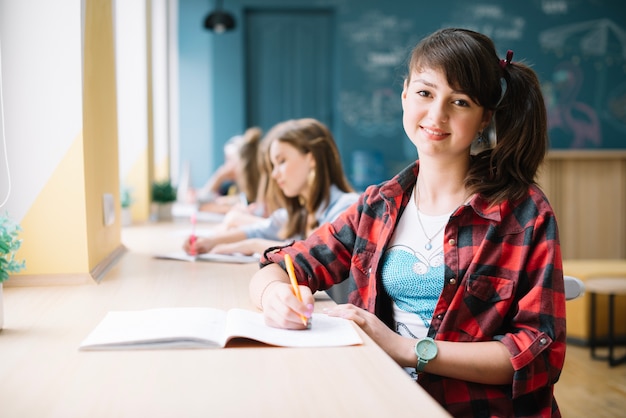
{"x": 578, "y": 48}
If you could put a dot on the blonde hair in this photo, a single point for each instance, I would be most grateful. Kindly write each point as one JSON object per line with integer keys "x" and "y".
{"x": 248, "y": 176}
{"x": 307, "y": 135}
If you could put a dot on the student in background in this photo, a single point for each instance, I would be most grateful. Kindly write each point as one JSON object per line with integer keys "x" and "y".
{"x": 456, "y": 261}
{"x": 307, "y": 187}
{"x": 236, "y": 181}
{"x": 264, "y": 204}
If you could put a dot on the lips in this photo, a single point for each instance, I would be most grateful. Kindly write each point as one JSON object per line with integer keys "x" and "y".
{"x": 435, "y": 133}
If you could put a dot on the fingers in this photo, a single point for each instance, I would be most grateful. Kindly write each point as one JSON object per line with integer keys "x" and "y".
{"x": 194, "y": 245}
{"x": 282, "y": 309}
{"x": 187, "y": 245}
{"x": 349, "y": 311}
{"x": 307, "y": 295}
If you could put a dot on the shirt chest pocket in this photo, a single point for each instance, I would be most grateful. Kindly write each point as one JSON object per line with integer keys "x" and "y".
{"x": 489, "y": 289}
{"x": 486, "y": 300}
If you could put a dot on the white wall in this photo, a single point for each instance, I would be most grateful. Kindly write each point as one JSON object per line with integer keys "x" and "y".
{"x": 131, "y": 73}
{"x": 41, "y": 89}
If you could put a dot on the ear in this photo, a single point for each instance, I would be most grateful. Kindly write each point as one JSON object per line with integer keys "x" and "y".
{"x": 312, "y": 162}
{"x": 486, "y": 119}
{"x": 405, "y": 88}
{"x": 404, "y": 92}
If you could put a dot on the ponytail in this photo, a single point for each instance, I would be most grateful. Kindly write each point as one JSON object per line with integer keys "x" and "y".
{"x": 520, "y": 128}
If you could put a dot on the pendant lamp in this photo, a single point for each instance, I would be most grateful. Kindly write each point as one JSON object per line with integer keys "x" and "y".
{"x": 219, "y": 21}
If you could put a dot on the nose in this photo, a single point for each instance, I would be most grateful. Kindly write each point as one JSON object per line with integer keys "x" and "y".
{"x": 438, "y": 111}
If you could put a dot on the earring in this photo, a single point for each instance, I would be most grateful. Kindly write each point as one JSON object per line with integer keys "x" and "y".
{"x": 480, "y": 139}
{"x": 310, "y": 179}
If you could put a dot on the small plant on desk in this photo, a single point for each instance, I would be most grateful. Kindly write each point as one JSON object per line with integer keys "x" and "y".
{"x": 163, "y": 195}
{"x": 163, "y": 192}
{"x": 126, "y": 200}
{"x": 9, "y": 244}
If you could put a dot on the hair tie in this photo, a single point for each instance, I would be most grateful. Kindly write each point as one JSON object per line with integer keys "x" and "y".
{"x": 507, "y": 60}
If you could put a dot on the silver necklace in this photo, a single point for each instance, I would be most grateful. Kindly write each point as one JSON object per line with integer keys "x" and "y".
{"x": 428, "y": 246}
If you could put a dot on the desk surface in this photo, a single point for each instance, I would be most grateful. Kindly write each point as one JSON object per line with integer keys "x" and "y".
{"x": 42, "y": 373}
{"x": 587, "y": 268}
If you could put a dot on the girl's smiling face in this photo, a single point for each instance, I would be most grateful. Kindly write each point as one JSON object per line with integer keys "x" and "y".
{"x": 439, "y": 118}
{"x": 290, "y": 168}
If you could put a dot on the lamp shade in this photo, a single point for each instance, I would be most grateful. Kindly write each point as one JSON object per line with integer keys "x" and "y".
{"x": 219, "y": 21}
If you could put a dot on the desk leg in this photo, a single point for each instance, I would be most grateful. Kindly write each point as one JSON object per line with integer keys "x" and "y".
{"x": 612, "y": 360}
{"x": 611, "y": 329}
{"x": 592, "y": 328}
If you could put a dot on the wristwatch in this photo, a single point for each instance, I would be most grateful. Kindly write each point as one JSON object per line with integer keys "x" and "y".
{"x": 426, "y": 350}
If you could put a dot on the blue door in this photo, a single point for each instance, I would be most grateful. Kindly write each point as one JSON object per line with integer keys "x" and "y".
{"x": 288, "y": 66}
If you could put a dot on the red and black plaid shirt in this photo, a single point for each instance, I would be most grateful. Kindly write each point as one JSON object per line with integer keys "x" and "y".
{"x": 503, "y": 281}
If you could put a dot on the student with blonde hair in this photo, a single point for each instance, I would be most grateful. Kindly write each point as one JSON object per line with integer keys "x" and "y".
{"x": 305, "y": 188}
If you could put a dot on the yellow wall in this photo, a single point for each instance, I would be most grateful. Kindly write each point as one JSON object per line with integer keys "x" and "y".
{"x": 100, "y": 128}
{"x": 137, "y": 179}
{"x": 54, "y": 237}
{"x": 64, "y": 144}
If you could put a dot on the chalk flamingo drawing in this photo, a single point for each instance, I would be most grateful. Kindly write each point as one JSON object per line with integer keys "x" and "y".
{"x": 601, "y": 40}
{"x": 576, "y": 118}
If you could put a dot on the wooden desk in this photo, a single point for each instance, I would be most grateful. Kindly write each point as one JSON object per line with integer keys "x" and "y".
{"x": 42, "y": 373}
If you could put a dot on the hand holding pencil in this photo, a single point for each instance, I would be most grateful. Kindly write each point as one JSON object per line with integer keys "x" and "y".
{"x": 295, "y": 286}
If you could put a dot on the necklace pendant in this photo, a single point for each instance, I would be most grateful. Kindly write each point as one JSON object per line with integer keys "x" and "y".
{"x": 428, "y": 246}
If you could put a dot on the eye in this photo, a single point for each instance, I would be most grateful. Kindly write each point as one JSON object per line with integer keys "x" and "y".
{"x": 423, "y": 93}
{"x": 462, "y": 103}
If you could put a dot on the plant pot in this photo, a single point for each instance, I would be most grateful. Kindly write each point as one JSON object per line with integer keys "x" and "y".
{"x": 162, "y": 212}
{"x": 127, "y": 218}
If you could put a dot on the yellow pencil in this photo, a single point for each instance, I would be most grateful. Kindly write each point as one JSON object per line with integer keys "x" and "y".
{"x": 294, "y": 284}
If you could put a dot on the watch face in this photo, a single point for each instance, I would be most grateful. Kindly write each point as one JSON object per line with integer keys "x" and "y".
{"x": 426, "y": 349}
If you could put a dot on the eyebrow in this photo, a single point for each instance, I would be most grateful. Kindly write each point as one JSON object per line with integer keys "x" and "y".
{"x": 421, "y": 80}
{"x": 429, "y": 84}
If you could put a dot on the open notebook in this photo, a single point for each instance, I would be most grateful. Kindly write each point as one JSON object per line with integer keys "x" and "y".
{"x": 198, "y": 327}
{"x": 220, "y": 258}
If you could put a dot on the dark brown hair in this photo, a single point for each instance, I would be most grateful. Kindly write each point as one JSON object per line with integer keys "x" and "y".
{"x": 471, "y": 65}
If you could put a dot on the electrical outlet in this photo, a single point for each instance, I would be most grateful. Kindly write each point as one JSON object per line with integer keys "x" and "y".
{"x": 108, "y": 208}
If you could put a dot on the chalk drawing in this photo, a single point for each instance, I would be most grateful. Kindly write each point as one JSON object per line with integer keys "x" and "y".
{"x": 601, "y": 37}
{"x": 490, "y": 19}
{"x": 616, "y": 109}
{"x": 576, "y": 119}
{"x": 602, "y": 44}
{"x": 375, "y": 42}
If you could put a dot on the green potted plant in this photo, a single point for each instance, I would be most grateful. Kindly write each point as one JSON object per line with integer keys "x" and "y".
{"x": 126, "y": 200}
{"x": 9, "y": 244}
{"x": 163, "y": 197}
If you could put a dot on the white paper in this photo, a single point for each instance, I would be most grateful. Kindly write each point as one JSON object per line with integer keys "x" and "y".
{"x": 236, "y": 258}
{"x": 210, "y": 328}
